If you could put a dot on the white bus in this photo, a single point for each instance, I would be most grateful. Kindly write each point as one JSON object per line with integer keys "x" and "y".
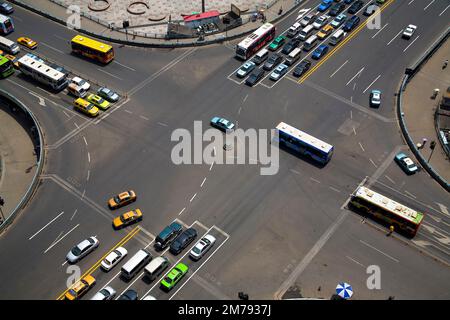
{"x": 42, "y": 73}
{"x": 6, "y": 24}
{"x": 303, "y": 143}
{"x": 9, "y": 46}
{"x": 250, "y": 45}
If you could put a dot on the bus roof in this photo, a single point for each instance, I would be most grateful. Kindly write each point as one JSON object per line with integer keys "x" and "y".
{"x": 255, "y": 35}
{"x": 41, "y": 67}
{"x": 3, "y": 18}
{"x": 91, "y": 43}
{"x": 319, "y": 144}
{"x": 389, "y": 205}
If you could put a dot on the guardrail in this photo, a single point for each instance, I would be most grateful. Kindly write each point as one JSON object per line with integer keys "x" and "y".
{"x": 166, "y": 44}
{"x": 409, "y": 74}
{"x": 40, "y": 162}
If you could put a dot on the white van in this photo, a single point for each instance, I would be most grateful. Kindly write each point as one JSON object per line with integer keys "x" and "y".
{"x": 156, "y": 267}
{"x": 337, "y": 37}
{"x": 135, "y": 264}
{"x": 294, "y": 29}
{"x": 293, "y": 56}
{"x": 310, "y": 43}
{"x": 261, "y": 56}
{"x": 306, "y": 32}
{"x": 76, "y": 91}
{"x": 9, "y": 46}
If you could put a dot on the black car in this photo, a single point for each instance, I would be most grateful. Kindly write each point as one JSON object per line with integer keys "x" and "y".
{"x": 165, "y": 237}
{"x": 351, "y": 23}
{"x": 129, "y": 295}
{"x": 348, "y": 1}
{"x": 273, "y": 60}
{"x": 254, "y": 77}
{"x": 291, "y": 45}
{"x": 6, "y": 8}
{"x": 183, "y": 240}
{"x": 302, "y": 68}
{"x": 336, "y": 9}
{"x": 354, "y": 8}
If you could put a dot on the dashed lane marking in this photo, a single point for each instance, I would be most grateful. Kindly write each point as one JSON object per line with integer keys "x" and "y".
{"x": 51, "y": 221}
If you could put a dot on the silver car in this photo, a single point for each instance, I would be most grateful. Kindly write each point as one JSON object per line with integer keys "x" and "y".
{"x": 279, "y": 72}
{"x": 107, "y": 293}
{"x": 245, "y": 69}
{"x": 82, "y": 249}
{"x": 202, "y": 247}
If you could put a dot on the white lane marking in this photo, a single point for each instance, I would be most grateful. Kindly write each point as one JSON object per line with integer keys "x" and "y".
{"x": 239, "y": 111}
{"x": 356, "y": 75}
{"x": 359, "y": 263}
{"x": 109, "y": 74}
{"x": 41, "y": 100}
{"x": 76, "y": 125}
{"x": 89, "y": 157}
{"x": 201, "y": 225}
{"x": 123, "y": 65}
{"x": 60, "y": 38}
{"x": 207, "y": 259}
{"x": 62, "y": 265}
{"x": 210, "y": 168}
{"x": 46, "y": 226}
{"x": 117, "y": 274}
{"x": 372, "y": 83}
{"x": 76, "y": 210}
{"x": 61, "y": 238}
{"x": 53, "y": 48}
{"x": 411, "y": 43}
{"x": 193, "y": 197}
{"x": 387, "y": 177}
{"x": 440, "y": 14}
{"x": 351, "y": 114}
{"x": 334, "y": 189}
{"x": 394, "y": 37}
{"x": 85, "y": 141}
{"x": 203, "y": 182}
{"x": 410, "y": 194}
{"x": 67, "y": 115}
{"x": 162, "y": 124}
{"x": 245, "y": 98}
{"x": 314, "y": 180}
{"x": 51, "y": 95}
{"x": 443, "y": 209}
{"x": 410, "y": 2}
{"x": 128, "y": 111}
{"x": 365, "y": 243}
{"x": 361, "y": 147}
{"x": 373, "y": 163}
{"x": 338, "y": 69}
{"x": 145, "y": 118}
{"x": 379, "y": 31}
{"x": 428, "y": 5}
{"x": 88, "y": 175}
{"x": 354, "y": 131}
{"x": 351, "y": 99}
{"x": 182, "y": 211}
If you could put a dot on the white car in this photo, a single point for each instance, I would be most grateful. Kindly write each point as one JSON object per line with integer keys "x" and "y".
{"x": 245, "y": 69}
{"x": 107, "y": 293}
{"x": 202, "y": 246}
{"x": 375, "y": 98}
{"x": 113, "y": 258}
{"x": 279, "y": 72}
{"x": 81, "y": 83}
{"x": 149, "y": 297}
{"x": 409, "y": 31}
{"x": 82, "y": 249}
{"x": 320, "y": 22}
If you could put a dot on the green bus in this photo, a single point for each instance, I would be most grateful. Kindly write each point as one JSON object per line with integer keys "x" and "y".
{"x": 6, "y": 67}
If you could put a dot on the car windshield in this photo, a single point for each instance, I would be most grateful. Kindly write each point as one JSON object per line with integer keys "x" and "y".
{"x": 411, "y": 166}
{"x": 245, "y": 67}
{"x": 168, "y": 280}
{"x": 72, "y": 293}
{"x": 117, "y": 199}
{"x": 197, "y": 250}
{"x": 76, "y": 251}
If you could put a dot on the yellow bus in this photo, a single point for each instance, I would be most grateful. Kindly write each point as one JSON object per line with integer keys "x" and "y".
{"x": 92, "y": 49}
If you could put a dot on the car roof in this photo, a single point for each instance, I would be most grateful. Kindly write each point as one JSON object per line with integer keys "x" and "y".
{"x": 84, "y": 244}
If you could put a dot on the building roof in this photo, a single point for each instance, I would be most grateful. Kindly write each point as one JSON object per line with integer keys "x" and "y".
{"x": 200, "y": 16}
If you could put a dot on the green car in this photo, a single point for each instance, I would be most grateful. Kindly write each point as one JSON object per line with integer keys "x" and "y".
{"x": 174, "y": 276}
{"x": 277, "y": 43}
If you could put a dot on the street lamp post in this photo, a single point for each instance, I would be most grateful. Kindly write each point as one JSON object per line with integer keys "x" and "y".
{"x": 2, "y": 202}
{"x": 432, "y": 146}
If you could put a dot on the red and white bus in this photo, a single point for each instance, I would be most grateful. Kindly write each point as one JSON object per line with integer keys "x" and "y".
{"x": 250, "y": 45}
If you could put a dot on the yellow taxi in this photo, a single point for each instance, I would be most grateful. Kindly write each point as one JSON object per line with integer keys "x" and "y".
{"x": 27, "y": 42}
{"x": 80, "y": 288}
{"x": 86, "y": 107}
{"x": 127, "y": 218}
{"x": 325, "y": 32}
{"x": 98, "y": 101}
{"x": 122, "y": 199}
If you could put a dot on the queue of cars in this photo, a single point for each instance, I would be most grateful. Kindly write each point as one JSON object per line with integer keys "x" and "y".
{"x": 305, "y": 34}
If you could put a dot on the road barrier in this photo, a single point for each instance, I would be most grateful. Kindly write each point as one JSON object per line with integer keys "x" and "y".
{"x": 194, "y": 43}
{"x": 409, "y": 74}
{"x": 39, "y": 148}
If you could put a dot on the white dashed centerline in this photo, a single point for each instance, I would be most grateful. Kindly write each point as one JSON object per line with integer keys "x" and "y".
{"x": 338, "y": 69}
{"x": 109, "y": 74}
{"x": 411, "y": 43}
{"x": 372, "y": 83}
{"x": 356, "y": 75}
{"x": 394, "y": 37}
{"x": 46, "y": 225}
{"x": 428, "y": 5}
{"x": 379, "y": 31}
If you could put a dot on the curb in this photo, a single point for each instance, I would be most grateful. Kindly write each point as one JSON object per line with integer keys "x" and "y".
{"x": 40, "y": 163}
{"x": 409, "y": 74}
{"x": 150, "y": 45}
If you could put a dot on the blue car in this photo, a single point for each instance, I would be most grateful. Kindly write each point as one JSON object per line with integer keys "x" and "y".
{"x": 320, "y": 52}
{"x": 351, "y": 23}
{"x": 6, "y": 8}
{"x": 324, "y": 5}
{"x": 406, "y": 163}
{"x": 222, "y": 124}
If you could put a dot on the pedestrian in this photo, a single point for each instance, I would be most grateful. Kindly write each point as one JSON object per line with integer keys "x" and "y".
{"x": 445, "y": 64}
{"x": 280, "y": 11}
{"x": 424, "y": 142}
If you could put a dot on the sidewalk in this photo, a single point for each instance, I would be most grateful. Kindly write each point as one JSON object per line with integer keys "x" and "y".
{"x": 59, "y": 13}
{"x": 419, "y": 107}
{"x": 17, "y": 160}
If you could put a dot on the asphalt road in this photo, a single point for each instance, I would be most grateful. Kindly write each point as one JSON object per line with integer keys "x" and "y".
{"x": 273, "y": 232}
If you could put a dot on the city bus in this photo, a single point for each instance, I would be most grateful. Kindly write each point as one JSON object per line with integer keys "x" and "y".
{"x": 303, "y": 143}
{"x": 6, "y": 67}
{"x": 39, "y": 71}
{"x": 92, "y": 49}
{"x": 386, "y": 210}
{"x": 6, "y": 24}
{"x": 8, "y": 46}
{"x": 250, "y": 45}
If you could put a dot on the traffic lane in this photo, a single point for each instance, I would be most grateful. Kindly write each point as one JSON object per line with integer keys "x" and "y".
{"x": 404, "y": 272}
